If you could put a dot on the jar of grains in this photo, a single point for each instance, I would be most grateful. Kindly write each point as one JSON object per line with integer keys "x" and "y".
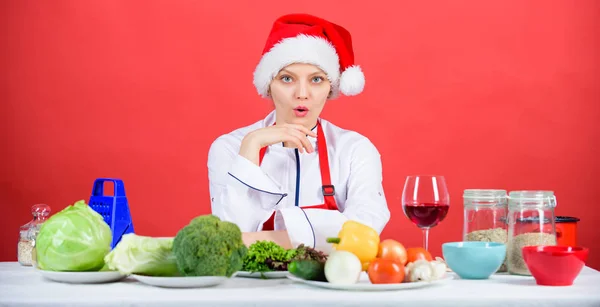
{"x": 28, "y": 233}
{"x": 530, "y": 223}
{"x": 485, "y": 217}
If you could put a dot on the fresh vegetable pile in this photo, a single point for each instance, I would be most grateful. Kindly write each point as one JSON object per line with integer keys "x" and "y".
{"x": 358, "y": 249}
{"x": 78, "y": 239}
{"x": 206, "y": 246}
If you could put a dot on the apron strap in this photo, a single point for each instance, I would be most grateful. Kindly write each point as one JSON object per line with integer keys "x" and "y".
{"x": 327, "y": 188}
{"x": 261, "y": 155}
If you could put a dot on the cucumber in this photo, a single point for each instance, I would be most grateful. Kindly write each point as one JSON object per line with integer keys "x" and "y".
{"x": 308, "y": 269}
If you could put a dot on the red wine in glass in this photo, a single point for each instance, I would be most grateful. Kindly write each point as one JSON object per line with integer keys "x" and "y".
{"x": 425, "y": 201}
{"x": 426, "y": 215}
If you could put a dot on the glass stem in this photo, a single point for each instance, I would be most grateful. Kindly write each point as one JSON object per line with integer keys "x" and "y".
{"x": 426, "y": 238}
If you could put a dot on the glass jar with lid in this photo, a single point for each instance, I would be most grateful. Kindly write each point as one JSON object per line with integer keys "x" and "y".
{"x": 28, "y": 233}
{"x": 484, "y": 218}
{"x": 530, "y": 223}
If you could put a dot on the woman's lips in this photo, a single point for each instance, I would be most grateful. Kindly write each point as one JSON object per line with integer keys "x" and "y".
{"x": 301, "y": 111}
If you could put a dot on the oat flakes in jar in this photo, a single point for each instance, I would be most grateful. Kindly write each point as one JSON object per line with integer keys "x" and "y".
{"x": 530, "y": 223}
{"x": 484, "y": 218}
{"x": 28, "y": 234}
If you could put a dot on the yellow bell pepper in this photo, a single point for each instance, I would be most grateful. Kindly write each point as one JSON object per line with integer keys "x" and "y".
{"x": 359, "y": 239}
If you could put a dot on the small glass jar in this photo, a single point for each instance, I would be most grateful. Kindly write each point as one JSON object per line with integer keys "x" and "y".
{"x": 485, "y": 214}
{"x": 530, "y": 223}
{"x": 28, "y": 233}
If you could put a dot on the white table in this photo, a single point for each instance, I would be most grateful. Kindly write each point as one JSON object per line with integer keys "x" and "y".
{"x": 22, "y": 286}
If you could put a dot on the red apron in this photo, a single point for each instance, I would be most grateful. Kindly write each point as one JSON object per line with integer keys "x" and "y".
{"x": 327, "y": 189}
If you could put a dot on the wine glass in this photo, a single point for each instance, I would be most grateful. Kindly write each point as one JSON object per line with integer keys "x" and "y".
{"x": 425, "y": 201}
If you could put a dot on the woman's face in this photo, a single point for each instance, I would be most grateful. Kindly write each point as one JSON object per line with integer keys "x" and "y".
{"x": 299, "y": 93}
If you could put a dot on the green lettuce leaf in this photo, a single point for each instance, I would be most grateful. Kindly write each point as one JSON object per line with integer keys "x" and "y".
{"x": 144, "y": 256}
{"x": 267, "y": 256}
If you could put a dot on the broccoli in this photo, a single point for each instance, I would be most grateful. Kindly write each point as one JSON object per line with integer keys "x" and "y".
{"x": 208, "y": 246}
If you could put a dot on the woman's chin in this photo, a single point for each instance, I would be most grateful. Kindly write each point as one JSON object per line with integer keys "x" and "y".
{"x": 302, "y": 121}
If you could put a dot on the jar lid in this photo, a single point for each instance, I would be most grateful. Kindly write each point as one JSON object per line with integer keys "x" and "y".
{"x": 532, "y": 219}
{"x": 40, "y": 210}
{"x": 558, "y": 219}
{"x": 532, "y": 198}
{"x": 483, "y": 194}
{"x": 566, "y": 219}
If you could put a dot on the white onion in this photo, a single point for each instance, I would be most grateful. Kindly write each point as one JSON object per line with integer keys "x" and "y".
{"x": 342, "y": 267}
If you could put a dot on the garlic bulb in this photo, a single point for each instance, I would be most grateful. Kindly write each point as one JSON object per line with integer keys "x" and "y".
{"x": 423, "y": 270}
{"x": 420, "y": 270}
{"x": 439, "y": 268}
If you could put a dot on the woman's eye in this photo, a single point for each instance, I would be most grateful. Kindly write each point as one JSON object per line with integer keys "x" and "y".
{"x": 317, "y": 79}
{"x": 286, "y": 79}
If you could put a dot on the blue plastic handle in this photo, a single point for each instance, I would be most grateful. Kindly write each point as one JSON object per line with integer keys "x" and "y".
{"x": 119, "y": 189}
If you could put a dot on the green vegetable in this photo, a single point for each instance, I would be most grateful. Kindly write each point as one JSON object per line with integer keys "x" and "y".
{"x": 208, "y": 246}
{"x": 74, "y": 239}
{"x": 304, "y": 252}
{"x": 143, "y": 255}
{"x": 267, "y": 256}
{"x": 308, "y": 269}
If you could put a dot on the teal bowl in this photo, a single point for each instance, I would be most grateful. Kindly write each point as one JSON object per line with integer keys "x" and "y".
{"x": 474, "y": 260}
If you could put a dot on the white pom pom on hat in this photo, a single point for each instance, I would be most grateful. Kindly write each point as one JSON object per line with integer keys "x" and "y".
{"x": 302, "y": 38}
{"x": 352, "y": 81}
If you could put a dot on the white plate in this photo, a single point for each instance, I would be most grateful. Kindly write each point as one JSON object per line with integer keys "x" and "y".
{"x": 82, "y": 277}
{"x": 267, "y": 275}
{"x": 181, "y": 282}
{"x": 365, "y": 285}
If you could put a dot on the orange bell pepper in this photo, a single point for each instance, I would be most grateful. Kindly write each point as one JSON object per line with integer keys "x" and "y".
{"x": 359, "y": 239}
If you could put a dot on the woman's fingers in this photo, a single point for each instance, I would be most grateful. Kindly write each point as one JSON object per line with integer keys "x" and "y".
{"x": 296, "y": 141}
{"x": 303, "y": 139}
{"x": 296, "y": 134}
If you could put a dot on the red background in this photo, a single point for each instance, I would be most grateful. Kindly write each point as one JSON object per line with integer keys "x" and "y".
{"x": 502, "y": 94}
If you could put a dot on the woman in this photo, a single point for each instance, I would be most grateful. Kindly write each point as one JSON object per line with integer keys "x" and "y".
{"x": 293, "y": 172}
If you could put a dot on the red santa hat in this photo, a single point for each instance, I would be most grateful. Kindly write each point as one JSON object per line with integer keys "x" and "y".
{"x": 302, "y": 38}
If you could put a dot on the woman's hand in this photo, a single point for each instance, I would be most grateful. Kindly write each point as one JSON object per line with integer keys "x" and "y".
{"x": 290, "y": 134}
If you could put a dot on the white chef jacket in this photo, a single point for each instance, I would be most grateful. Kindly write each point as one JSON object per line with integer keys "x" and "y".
{"x": 287, "y": 180}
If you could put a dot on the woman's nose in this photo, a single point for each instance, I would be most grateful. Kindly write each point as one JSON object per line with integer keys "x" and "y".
{"x": 302, "y": 91}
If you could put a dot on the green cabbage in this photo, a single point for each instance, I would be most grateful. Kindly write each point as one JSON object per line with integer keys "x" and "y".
{"x": 143, "y": 255}
{"x": 74, "y": 239}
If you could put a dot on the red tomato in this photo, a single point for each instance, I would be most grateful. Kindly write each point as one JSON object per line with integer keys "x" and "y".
{"x": 385, "y": 271}
{"x": 416, "y": 253}
{"x": 393, "y": 250}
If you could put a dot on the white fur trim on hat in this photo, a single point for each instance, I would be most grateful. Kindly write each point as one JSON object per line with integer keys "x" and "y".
{"x": 300, "y": 49}
{"x": 352, "y": 81}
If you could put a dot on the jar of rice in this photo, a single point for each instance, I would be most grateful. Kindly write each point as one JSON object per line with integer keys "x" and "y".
{"x": 484, "y": 218}
{"x": 530, "y": 223}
